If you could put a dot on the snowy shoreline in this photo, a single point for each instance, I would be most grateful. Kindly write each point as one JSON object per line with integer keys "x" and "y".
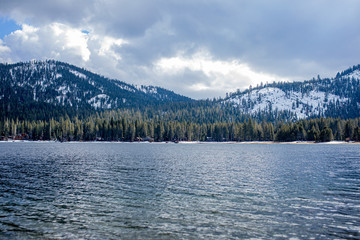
{"x": 189, "y": 142}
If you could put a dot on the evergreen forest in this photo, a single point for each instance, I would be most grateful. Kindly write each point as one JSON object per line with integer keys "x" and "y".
{"x": 175, "y": 122}
{"x": 50, "y": 100}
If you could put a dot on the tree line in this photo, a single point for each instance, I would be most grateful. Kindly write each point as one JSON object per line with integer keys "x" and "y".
{"x": 133, "y": 126}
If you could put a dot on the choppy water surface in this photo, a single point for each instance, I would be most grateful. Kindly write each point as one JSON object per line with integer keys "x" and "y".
{"x": 179, "y": 191}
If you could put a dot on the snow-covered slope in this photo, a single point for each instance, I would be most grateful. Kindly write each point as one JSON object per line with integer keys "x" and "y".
{"x": 63, "y": 84}
{"x": 339, "y": 96}
{"x": 272, "y": 98}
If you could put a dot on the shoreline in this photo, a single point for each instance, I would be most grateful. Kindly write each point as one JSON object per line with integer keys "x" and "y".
{"x": 193, "y": 142}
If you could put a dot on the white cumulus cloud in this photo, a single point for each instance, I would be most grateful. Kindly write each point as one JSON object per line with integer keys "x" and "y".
{"x": 70, "y": 39}
{"x": 62, "y": 42}
{"x": 225, "y": 75}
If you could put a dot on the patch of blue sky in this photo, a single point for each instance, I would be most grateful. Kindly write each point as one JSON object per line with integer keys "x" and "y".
{"x": 7, "y": 26}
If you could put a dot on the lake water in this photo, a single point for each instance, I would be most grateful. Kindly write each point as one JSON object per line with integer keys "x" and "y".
{"x": 179, "y": 191}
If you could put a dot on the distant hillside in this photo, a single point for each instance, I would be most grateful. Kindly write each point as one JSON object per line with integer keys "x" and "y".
{"x": 46, "y": 89}
{"x": 61, "y": 84}
{"x": 335, "y": 97}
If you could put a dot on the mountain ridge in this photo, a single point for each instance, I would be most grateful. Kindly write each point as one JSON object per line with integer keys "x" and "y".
{"x": 63, "y": 84}
{"x": 328, "y": 97}
{"x": 53, "y": 84}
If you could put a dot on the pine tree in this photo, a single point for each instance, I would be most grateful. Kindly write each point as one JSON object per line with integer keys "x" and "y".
{"x": 326, "y": 135}
{"x": 348, "y": 130}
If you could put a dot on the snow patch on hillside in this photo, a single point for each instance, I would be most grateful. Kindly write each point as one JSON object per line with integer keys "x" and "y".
{"x": 272, "y": 98}
{"x": 151, "y": 90}
{"x": 61, "y": 100}
{"x": 148, "y": 90}
{"x": 355, "y": 74}
{"x": 63, "y": 90}
{"x": 78, "y": 74}
{"x": 100, "y": 101}
{"x": 125, "y": 87}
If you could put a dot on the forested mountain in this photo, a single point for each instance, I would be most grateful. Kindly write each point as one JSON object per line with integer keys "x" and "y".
{"x": 62, "y": 84}
{"x": 52, "y": 86}
{"x": 52, "y": 100}
{"x": 335, "y": 97}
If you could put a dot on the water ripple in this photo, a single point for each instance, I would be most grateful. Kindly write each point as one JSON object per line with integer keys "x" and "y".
{"x": 175, "y": 191}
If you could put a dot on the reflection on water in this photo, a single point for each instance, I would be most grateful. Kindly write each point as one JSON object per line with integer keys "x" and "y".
{"x": 171, "y": 191}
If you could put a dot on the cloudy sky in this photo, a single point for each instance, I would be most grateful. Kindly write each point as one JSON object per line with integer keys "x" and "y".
{"x": 196, "y": 48}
